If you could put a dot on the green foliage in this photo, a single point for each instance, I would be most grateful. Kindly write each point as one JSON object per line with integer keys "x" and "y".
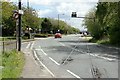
{"x": 46, "y": 26}
{"x": 107, "y": 22}
{"x": 92, "y": 25}
{"x": 13, "y": 64}
{"x": 7, "y": 20}
{"x": 29, "y": 18}
{"x": 41, "y": 35}
{"x": 63, "y": 27}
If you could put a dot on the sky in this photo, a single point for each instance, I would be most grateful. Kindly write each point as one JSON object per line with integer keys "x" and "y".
{"x": 63, "y": 8}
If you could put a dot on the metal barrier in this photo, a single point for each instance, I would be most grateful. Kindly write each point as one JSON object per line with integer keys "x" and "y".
{"x": 8, "y": 44}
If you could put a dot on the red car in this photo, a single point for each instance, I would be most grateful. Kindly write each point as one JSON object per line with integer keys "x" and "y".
{"x": 58, "y": 35}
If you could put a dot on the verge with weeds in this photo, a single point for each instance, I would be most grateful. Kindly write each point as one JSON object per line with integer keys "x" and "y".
{"x": 12, "y": 63}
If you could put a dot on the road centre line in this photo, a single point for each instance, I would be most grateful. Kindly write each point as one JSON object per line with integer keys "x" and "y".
{"x": 28, "y": 45}
{"x": 43, "y": 64}
{"x": 73, "y": 74}
{"x": 54, "y": 61}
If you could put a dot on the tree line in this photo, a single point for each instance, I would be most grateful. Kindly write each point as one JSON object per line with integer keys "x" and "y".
{"x": 105, "y": 24}
{"x": 31, "y": 20}
{"x": 50, "y": 25}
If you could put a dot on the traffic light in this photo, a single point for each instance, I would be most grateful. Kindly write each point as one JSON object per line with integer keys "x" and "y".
{"x": 74, "y": 14}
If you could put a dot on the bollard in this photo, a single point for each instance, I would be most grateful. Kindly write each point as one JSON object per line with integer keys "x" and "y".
{"x": 3, "y": 45}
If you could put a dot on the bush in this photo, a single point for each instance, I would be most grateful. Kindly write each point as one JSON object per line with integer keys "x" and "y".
{"x": 115, "y": 35}
{"x": 50, "y": 35}
{"x": 41, "y": 35}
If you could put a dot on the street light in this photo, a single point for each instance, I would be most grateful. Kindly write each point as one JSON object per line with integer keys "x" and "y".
{"x": 59, "y": 17}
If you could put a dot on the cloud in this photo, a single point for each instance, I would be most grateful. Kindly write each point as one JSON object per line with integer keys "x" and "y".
{"x": 43, "y": 13}
{"x": 51, "y": 8}
{"x": 41, "y": 2}
{"x": 54, "y": 7}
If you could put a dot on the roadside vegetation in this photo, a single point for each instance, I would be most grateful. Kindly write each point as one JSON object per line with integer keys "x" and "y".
{"x": 12, "y": 63}
{"x": 105, "y": 28}
{"x": 31, "y": 23}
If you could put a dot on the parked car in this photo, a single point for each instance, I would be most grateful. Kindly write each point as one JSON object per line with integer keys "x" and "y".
{"x": 58, "y": 35}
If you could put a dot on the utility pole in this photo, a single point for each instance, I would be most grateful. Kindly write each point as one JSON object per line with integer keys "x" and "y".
{"x": 28, "y": 20}
{"x": 58, "y": 20}
{"x": 19, "y": 27}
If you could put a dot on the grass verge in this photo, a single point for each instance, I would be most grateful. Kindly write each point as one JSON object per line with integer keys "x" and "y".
{"x": 12, "y": 63}
{"x": 105, "y": 42}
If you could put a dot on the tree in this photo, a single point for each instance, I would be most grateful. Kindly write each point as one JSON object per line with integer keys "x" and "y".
{"x": 46, "y": 26}
{"x": 107, "y": 21}
{"x": 29, "y": 18}
{"x": 8, "y": 23}
{"x": 93, "y": 25}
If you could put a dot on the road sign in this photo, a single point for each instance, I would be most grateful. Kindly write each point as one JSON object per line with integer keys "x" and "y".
{"x": 21, "y": 12}
{"x": 15, "y": 15}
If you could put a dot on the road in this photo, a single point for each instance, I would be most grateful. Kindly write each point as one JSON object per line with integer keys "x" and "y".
{"x": 73, "y": 57}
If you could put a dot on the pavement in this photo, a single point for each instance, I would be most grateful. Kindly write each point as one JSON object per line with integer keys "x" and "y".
{"x": 32, "y": 68}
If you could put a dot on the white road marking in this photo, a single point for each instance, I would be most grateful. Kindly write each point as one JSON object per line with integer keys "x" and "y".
{"x": 110, "y": 55}
{"x": 37, "y": 49}
{"x": 106, "y": 58}
{"x": 73, "y": 74}
{"x": 95, "y": 55}
{"x": 28, "y": 45}
{"x": 43, "y": 52}
{"x": 62, "y": 44}
{"x": 40, "y": 47}
{"x": 109, "y": 59}
{"x": 54, "y": 61}
{"x": 32, "y": 45}
{"x": 24, "y": 42}
{"x": 43, "y": 64}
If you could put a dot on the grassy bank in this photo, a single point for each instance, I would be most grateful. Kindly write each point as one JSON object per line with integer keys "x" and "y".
{"x": 104, "y": 42}
{"x": 13, "y": 63}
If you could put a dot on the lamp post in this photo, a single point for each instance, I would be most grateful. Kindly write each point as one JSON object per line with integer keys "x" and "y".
{"x": 28, "y": 20}
{"x": 58, "y": 18}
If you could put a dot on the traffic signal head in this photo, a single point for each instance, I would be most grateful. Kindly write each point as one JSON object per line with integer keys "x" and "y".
{"x": 74, "y": 14}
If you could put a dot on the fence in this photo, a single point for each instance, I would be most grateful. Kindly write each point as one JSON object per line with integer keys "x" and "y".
{"x": 7, "y": 44}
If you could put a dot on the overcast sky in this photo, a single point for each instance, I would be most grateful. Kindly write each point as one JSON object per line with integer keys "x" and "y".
{"x": 51, "y": 9}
